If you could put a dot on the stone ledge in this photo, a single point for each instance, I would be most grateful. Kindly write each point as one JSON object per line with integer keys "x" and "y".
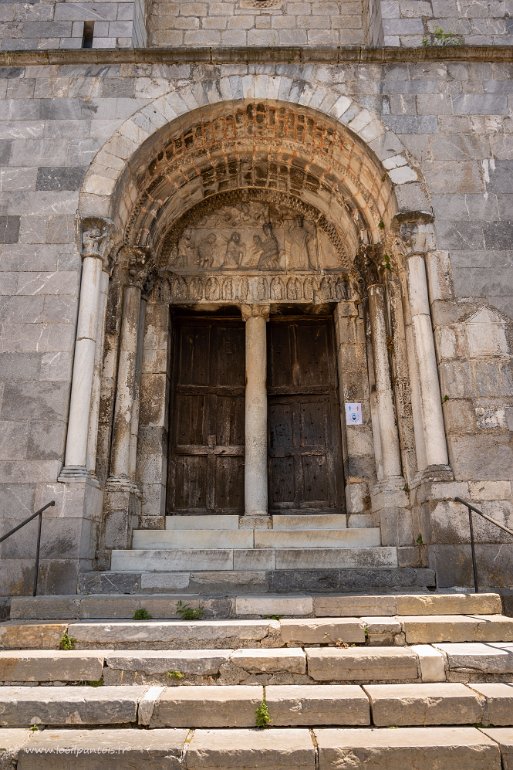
{"x": 261, "y": 55}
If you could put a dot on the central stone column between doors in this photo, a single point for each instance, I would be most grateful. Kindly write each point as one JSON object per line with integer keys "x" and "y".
{"x": 255, "y": 467}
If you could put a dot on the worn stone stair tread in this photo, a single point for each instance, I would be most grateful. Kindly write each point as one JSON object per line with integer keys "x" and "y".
{"x": 300, "y": 604}
{"x": 478, "y": 657}
{"x": 420, "y": 747}
{"x": 440, "y": 703}
{"x": 360, "y": 748}
{"x": 258, "y": 577}
{"x": 228, "y": 706}
{"x": 355, "y": 664}
{"x": 22, "y": 706}
{"x": 465, "y": 628}
{"x": 87, "y": 749}
{"x": 180, "y": 539}
{"x": 154, "y": 559}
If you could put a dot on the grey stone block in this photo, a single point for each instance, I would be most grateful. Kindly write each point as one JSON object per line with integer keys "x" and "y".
{"x": 57, "y": 178}
{"x": 9, "y": 229}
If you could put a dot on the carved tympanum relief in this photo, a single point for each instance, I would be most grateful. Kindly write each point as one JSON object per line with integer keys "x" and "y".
{"x": 253, "y": 236}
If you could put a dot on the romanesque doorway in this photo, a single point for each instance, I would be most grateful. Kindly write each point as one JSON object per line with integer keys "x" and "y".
{"x": 206, "y": 468}
{"x": 303, "y": 423}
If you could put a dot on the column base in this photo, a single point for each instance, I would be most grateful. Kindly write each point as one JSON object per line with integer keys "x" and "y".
{"x": 255, "y": 521}
{"x": 122, "y": 484}
{"x": 391, "y": 508}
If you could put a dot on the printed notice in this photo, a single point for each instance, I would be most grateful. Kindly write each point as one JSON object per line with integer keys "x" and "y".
{"x": 354, "y": 414}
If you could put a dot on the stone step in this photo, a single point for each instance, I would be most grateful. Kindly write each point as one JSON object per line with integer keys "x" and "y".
{"x": 251, "y": 665}
{"x": 180, "y": 539}
{"x": 348, "y": 581}
{"x": 216, "y": 749}
{"x": 118, "y": 605}
{"x": 277, "y": 632}
{"x": 477, "y": 661}
{"x": 211, "y": 706}
{"x": 215, "y": 559}
{"x": 285, "y": 521}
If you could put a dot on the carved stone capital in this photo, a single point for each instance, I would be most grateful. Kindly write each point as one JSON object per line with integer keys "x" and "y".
{"x": 96, "y": 236}
{"x": 255, "y": 311}
{"x": 136, "y": 260}
{"x": 372, "y": 264}
{"x": 414, "y": 238}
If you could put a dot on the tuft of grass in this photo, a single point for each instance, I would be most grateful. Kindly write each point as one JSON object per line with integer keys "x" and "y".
{"x": 273, "y": 617}
{"x": 262, "y": 716}
{"x": 141, "y": 614}
{"x": 95, "y": 683}
{"x": 178, "y": 675}
{"x": 419, "y": 540}
{"x": 34, "y": 728}
{"x": 185, "y": 612}
{"x": 67, "y": 642}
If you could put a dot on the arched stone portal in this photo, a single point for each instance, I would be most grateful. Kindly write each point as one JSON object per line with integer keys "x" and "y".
{"x": 257, "y": 209}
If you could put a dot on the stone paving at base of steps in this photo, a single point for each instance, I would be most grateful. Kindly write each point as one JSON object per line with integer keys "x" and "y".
{"x": 457, "y": 748}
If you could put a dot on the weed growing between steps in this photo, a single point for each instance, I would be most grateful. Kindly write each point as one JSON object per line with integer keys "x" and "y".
{"x": 176, "y": 675}
{"x": 185, "y": 612}
{"x": 67, "y": 642}
{"x": 262, "y": 715}
{"x": 141, "y": 614}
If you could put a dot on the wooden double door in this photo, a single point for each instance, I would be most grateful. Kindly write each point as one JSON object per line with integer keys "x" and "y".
{"x": 206, "y": 459}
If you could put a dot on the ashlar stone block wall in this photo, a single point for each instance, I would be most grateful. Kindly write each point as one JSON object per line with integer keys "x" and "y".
{"x": 446, "y": 22}
{"x": 258, "y": 23}
{"x": 41, "y": 25}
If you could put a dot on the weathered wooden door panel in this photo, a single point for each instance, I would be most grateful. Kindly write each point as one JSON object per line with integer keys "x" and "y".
{"x": 206, "y": 468}
{"x": 304, "y": 434}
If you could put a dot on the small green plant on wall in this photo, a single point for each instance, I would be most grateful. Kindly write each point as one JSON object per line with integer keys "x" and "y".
{"x": 441, "y": 38}
{"x": 141, "y": 614}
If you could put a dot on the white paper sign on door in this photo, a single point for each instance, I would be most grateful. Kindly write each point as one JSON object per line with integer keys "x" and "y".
{"x": 354, "y": 414}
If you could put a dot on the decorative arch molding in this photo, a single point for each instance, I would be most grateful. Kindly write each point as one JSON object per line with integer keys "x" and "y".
{"x": 318, "y": 117}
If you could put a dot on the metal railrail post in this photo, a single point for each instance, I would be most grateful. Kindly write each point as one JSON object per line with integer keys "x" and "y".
{"x": 38, "y": 546}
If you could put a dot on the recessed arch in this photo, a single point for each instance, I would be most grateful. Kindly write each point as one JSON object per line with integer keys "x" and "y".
{"x": 201, "y": 140}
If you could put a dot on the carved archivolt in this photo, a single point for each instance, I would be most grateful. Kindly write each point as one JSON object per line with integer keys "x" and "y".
{"x": 258, "y": 145}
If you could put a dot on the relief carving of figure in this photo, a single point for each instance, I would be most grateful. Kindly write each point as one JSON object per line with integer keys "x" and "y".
{"x": 92, "y": 241}
{"x": 302, "y": 243}
{"x": 186, "y": 253}
{"x": 235, "y": 251}
{"x": 268, "y": 248}
{"x": 205, "y": 251}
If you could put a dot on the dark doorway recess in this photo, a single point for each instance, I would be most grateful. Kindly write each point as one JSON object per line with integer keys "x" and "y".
{"x": 206, "y": 468}
{"x": 305, "y": 466}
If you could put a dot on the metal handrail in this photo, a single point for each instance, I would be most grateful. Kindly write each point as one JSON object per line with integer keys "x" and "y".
{"x": 472, "y": 509}
{"x": 38, "y": 549}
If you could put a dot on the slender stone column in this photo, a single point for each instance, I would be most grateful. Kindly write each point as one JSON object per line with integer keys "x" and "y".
{"x": 390, "y": 452}
{"x": 255, "y": 468}
{"x": 94, "y": 235}
{"x": 120, "y": 457}
{"x": 431, "y": 400}
{"x": 96, "y": 392}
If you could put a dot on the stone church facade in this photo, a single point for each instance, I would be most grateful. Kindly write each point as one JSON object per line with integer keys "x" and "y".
{"x": 255, "y": 261}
